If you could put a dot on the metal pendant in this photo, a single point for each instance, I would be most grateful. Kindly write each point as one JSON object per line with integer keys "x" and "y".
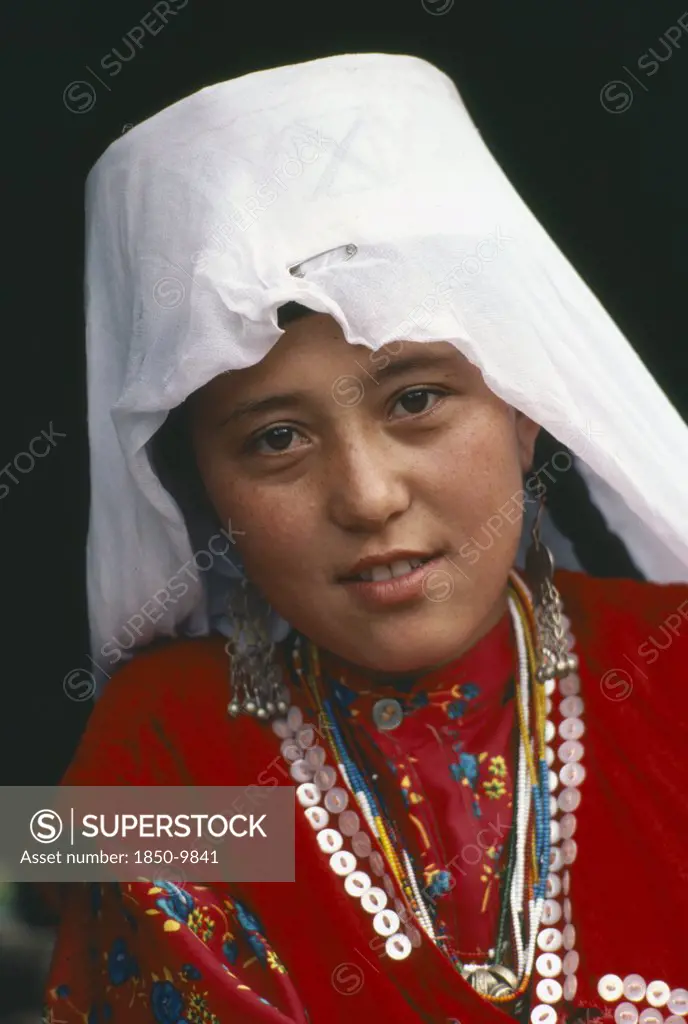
{"x": 555, "y": 660}
{"x": 490, "y": 980}
{"x": 539, "y": 569}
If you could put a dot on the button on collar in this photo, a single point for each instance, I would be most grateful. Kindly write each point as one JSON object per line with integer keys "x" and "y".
{"x": 387, "y": 714}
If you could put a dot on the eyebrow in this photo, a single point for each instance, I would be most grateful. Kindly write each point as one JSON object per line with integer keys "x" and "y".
{"x": 397, "y": 367}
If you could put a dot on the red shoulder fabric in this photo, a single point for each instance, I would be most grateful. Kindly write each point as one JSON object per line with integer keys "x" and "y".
{"x": 630, "y": 880}
{"x": 278, "y": 952}
{"x": 139, "y": 952}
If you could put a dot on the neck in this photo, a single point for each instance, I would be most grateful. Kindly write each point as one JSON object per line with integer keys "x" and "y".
{"x": 463, "y": 647}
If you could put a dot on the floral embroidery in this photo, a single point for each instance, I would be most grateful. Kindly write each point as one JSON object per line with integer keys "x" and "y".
{"x": 275, "y": 963}
{"x": 464, "y": 694}
{"x": 121, "y": 964}
{"x": 494, "y": 788}
{"x": 438, "y": 883}
{"x": 256, "y": 943}
{"x": 419, "y": 700}
{"x": 253, "y": 932}
{"x": 456, "y": 708}
{"x": 230, "y": 948}
{"x": 446, "y": 725}
{"x": 491, "y": 875}
{"x": 344, "y": 695}
{"x": 168, "y": 996}
{"x": 247, "y": 920}
{"x": 409, "y": 795}
{"x": 166, "y": 1002}
{"x": 497, "y": 767}
{"x": 201, "y": 924}
{"x": 178, "y": 904}
{"x": 198, "y": 1012}
{"x": 465, "y": 768}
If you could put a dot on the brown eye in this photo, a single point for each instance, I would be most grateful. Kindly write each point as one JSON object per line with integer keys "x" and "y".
{"x": 415, "y": 401}
{"x": 281, "y": 436}
{"x": 278, "y": 439}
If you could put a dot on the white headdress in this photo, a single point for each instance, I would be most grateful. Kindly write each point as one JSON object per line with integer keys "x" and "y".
{"x": 358, "y": 186}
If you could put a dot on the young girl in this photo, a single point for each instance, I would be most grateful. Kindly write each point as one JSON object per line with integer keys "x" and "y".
{"x": 346, "y": 398}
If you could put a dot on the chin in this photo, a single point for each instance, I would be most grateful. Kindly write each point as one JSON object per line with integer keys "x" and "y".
{"x": 408, "y": 653}
{"x": 409, "y": 662}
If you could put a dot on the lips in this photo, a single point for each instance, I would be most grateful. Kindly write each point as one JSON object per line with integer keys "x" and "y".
{"x": 389, "y": 565}
{"x": 376, "y": 595}
{"x": 392, "y": 570}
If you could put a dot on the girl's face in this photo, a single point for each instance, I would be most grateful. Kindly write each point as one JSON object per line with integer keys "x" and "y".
{"x": 326, "y": 453}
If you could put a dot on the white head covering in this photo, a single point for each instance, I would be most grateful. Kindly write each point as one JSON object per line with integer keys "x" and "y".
{"x": 194, "y": 219}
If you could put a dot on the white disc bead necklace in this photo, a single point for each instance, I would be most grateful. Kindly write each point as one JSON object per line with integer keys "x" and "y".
{"x": 364, "y": 874}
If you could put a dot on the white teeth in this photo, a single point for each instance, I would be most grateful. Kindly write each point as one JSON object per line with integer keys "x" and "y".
{"x": 401, "y": 568}
{"x": 386, "y": 572}
{"x": 380, "y": 572}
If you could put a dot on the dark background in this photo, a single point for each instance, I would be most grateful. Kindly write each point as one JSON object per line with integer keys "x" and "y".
{"x": 609, "y": 185}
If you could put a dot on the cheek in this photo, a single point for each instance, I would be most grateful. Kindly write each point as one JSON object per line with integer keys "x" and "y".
{"x": 481, "y": 477}
{"x": 273, "y": 542}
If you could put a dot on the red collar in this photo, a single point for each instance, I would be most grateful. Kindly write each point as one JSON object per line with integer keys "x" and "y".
{"x": 486, "y": 668}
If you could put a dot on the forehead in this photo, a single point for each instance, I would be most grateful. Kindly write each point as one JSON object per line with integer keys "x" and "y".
{"x": 313, "y": 352}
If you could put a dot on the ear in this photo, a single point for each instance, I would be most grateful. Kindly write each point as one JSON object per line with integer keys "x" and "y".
{"x": 526, "y": 435}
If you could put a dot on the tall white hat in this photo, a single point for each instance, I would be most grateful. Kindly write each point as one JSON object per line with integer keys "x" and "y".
{"x": 358, "y": 186}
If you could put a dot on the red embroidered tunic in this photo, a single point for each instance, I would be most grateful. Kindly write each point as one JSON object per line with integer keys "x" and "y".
{"x": 452, "y": 756}
{"x": 305, "y": 951}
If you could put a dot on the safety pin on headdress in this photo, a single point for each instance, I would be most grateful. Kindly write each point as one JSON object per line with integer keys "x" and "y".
{"x": 350, "y": 250}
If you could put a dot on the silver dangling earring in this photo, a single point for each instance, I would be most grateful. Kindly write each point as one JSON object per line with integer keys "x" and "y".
{"x": 255, "y": 679}
{"x": 556, "y": 661}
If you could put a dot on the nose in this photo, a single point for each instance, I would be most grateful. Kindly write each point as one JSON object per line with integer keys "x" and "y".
{"x": 367, "y": 486}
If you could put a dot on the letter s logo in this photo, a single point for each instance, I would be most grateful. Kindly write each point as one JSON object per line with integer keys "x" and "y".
{"x": 46, "y": 826}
